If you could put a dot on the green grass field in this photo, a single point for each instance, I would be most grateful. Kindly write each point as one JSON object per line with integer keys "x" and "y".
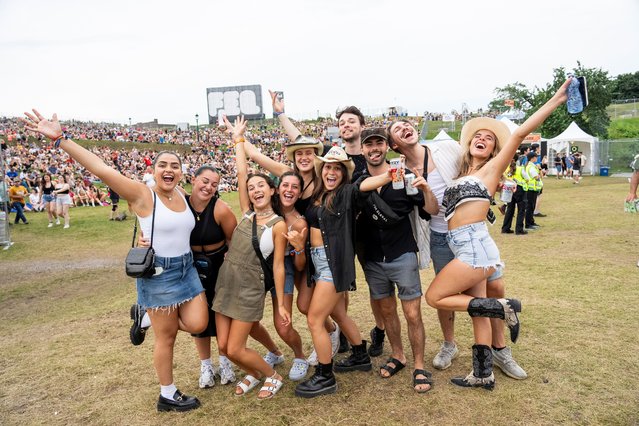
{"x": 66, "y": 356}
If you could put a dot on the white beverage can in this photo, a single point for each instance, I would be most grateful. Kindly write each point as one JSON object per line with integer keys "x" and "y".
{"x": 397, "y": 173}
{"x": 507, "y": 191}
{"x": 410, "y": 189}
{"x": 220, "y": 121}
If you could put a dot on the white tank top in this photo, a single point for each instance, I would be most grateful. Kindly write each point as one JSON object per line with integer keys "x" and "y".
{"x": 172, "y": 230}
{"x": 438, "y": 186}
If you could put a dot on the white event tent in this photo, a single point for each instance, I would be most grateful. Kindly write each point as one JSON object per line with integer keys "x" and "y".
{"x": 441, "y": 136}
{"x": 573, "y": 136}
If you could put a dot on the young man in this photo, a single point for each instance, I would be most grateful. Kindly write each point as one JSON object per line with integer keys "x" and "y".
{"x": 439, "y": 162}
{"x": 17, "y": 192}
{"x": 390, "y": 253}
{"x": 351, "y": 121}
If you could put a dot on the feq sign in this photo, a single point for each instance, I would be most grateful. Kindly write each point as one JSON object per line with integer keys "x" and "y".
{"x": 235, "y": 100}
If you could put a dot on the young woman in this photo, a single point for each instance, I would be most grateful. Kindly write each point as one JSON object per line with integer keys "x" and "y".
{"x": 289, "y": 191}
{"x": 240, "y": 289}
{"x": 331, "y": 219}
{"x": 301, "y": 153}
{"x": 48, "y": 197}
{"x": 461, "y": 285}
{"x": 173, "y": 296}
{"x": 63, "y": 198}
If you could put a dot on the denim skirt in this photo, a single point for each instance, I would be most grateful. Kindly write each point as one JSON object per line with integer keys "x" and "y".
{"x": 473, "y": 245}
{"x": 176, "y": 281}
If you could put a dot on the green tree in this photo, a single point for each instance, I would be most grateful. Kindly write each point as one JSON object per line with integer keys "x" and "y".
{"x": 625, "y": 86}
{"x": 593, "y": 120}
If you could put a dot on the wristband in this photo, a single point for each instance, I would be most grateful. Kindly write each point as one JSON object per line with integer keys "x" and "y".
{"x": 277, "y": 114}
{"x": 239, "y": 140}
{"x": 56, "y": 143}
{"x": 295, "y": 252}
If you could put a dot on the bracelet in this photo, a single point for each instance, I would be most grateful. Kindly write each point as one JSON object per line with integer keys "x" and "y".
{"x": 295, "y": 252}
{"x": 277, "y": 114}
{"x": 56, "y": 143}
{"x": 239, "y": 140}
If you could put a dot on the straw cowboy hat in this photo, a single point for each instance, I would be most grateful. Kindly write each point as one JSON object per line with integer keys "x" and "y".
{"x": 484, "y": 123}
{"x": 303, "y": 142}
{"x": 335, "y": 155}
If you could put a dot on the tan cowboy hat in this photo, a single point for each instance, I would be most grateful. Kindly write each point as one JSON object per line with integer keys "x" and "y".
{"x": 334, "y": 155}
{"x": 484, "y": 123}
{"x": 303, "y": 142}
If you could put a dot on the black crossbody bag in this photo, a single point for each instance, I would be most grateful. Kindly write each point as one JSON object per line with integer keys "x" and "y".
{"x": 267, "y": 264}
{"x": 139, "y": 261}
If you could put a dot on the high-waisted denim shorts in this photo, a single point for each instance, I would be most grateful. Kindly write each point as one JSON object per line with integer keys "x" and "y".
{"x": 322, "y": 268}
{"x": 473, "y": 245}
{"x": 175, "y": 283}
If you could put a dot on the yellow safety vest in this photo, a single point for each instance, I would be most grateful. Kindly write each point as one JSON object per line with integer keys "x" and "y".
{"x": 533, "y": 184}
{"x": 519, "y": 178}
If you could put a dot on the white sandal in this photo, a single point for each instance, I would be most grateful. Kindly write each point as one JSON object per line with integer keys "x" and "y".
{"x": 245, "y": 388}
{"x": 272, "y": 385}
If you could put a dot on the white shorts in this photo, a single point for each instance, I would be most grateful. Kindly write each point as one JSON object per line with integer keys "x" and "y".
{"x": 575, "y": 172}
{"x": 63, "y": 200}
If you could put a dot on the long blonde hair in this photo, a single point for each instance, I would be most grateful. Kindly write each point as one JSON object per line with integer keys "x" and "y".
{"x": 467, "y": 158}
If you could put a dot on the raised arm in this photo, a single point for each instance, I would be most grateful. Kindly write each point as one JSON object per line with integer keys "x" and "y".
{"x": 133, "y": 192}
{"x": 501, "y": 161}
{"x": 278, "y": 107}
{"x": 237, "y": 133}
{"x": 265, "y": 161}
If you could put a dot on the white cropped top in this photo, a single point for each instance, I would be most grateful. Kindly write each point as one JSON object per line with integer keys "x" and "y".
{"x": 172, "y": 230}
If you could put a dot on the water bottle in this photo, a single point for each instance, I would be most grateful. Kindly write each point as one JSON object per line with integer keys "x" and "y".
{"x": 574, "y": 104}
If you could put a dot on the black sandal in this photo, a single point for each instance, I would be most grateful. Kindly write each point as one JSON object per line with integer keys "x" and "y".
{"x": 391, "y": 370}
{"x": 427, "y": 381}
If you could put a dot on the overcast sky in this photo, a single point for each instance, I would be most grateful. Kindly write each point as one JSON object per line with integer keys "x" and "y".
{"x": 111, "y": 60}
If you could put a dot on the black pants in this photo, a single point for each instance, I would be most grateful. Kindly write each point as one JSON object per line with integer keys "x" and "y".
{"x": 519, "y": 201}
{"x": 530, "y": 208}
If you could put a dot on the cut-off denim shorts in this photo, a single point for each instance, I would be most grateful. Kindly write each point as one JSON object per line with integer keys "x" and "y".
{"x": 48, "y": 198}
{"x": 473, "y": 245}
{"x": 322, "y": 268}
{"x": 178, "y": 282}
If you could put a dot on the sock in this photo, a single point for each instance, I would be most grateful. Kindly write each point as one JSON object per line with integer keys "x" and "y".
{"x": 146, "y": 321}
{"x": 206, "y": 362}
{"x": 168, "y": 391}
{"x": 498, "y": 349}
{"x": 380, "y": 331}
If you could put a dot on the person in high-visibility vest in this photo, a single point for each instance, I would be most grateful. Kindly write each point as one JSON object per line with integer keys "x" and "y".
{"x": 518, "y": 201}
{"x": 534, "y": 186}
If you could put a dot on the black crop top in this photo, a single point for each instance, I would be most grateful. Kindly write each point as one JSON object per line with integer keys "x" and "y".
{"x": 302, "y": 204}
{"x": 206, "y": 231}
{"x": 464, "y": 189}
{"x": 312, "y": 216}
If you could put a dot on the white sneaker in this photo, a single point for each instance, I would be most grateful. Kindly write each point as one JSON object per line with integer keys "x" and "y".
{"x": 207, "y": 376}
{"x": 312, "y": 359}
{"x": 444, "y": 358}
{"x": 298, "y": 370}
{"x": 273, "y": 360}
{"x": 506, "y": 363}
{"x": 334, "y": 340}
{"x": 57, "y": 221}
{"x": 66, "y": 226}
{"x": 50, "y": 225}
{"x": 227, "y": 375}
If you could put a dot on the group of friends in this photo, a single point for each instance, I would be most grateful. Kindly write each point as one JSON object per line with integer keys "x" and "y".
{"x": 329, "y": 206}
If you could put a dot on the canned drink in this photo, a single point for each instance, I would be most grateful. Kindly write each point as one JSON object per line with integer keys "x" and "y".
{"x": 507, "y": 191}
{"x": 397, "y": 173}
{"x": 220, "y": 121}
{"x": 410, "y": 189}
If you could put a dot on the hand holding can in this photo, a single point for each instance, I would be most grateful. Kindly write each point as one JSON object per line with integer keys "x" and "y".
{"x": 397, "y": 173}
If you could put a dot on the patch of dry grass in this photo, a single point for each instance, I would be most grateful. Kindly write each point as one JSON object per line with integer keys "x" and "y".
{"x": 66, "y": 357}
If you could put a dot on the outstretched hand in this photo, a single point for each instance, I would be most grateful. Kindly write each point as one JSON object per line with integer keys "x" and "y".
{"x": 39, "y": 124}
{"x": 278, "y": 104}
{"x": 238, "y": 128}
{"x": 561, "y": 95}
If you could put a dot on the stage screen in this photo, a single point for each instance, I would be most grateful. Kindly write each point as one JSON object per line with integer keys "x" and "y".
{"x": 235, "y": 100}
